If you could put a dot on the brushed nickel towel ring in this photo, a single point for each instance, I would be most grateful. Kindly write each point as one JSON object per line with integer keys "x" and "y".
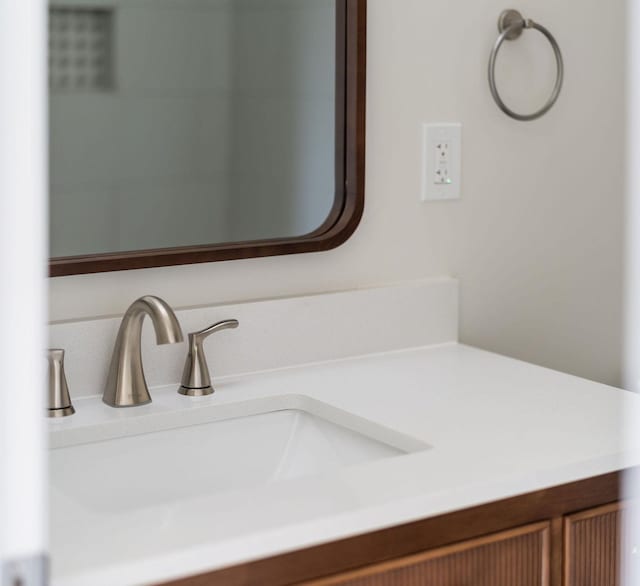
{"x": 511, "y": 24}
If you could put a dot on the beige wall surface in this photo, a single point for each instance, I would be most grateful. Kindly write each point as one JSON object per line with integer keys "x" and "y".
{"x": 537, "y": 238}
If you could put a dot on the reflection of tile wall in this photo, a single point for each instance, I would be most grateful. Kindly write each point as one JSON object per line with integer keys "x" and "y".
{"x": 213, "y": 129}
{"x": 146, "y": 163}
{"x": 282, "y": 152}
{"x": 80, "y": 49}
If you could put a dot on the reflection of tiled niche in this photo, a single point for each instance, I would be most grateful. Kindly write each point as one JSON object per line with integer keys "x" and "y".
{"x": 80, "y": 49}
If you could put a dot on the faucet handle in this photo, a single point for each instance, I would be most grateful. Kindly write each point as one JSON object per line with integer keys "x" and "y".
{"x": 196, "y": 381}
{"x": 59, "y": 402}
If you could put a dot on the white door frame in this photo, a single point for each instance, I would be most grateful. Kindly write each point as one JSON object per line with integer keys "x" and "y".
{"x": 23, "y": 251}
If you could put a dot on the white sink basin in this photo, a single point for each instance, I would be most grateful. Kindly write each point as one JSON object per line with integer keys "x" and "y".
{"x": 254, "y": 444}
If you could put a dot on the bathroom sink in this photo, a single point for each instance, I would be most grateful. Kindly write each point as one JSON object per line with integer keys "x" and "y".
{"x": 268, "y": 443}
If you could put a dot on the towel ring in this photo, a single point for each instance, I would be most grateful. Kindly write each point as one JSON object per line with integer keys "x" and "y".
{"x": 511, "y": 24}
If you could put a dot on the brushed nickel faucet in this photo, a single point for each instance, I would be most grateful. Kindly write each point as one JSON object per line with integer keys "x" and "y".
{"x": 196, "y": 381}
{"x": 58, "y": 400}
{"x": 126, "y": 385}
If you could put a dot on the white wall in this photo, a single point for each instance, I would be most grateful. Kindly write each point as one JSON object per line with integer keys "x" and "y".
{"x": 537, "y": 240}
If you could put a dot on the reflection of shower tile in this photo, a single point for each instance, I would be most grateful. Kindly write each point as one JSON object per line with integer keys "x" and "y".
{"x": 260, "y": 206}
{"x": 80, "y": 49}
{"x": 82, "y": 221}
{"x": 83, "y": 136}
{"x": 284, "y": 48}
{"x": 137, "y": 217}
{"x": 263, "y": 135}
{"x": 160, "y": 214}
{"x": 156, "y": 139}
{"x": 213, "y": 136}
{"x": 173, "y": 48}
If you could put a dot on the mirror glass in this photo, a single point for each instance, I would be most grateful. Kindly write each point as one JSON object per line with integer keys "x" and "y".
{"x": 187, "y": 122}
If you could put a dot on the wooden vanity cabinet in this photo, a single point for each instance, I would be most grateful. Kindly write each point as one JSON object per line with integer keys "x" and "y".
{"x": 518, "y": 557}
{"x": 567, "y": 535}
{"x": 592, "y": 547}
{"x": 590, "y": 556}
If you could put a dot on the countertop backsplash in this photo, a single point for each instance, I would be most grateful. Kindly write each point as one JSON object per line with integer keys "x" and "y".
{"x": 275, "y": 333}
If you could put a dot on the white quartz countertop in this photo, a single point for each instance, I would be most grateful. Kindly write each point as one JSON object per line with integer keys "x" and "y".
{"x": 498, "y": 428}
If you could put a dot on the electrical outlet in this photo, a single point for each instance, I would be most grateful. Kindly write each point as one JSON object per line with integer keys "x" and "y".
{"x": 442, "y": 150}
{"x": 442, "y": 176}
{"x": 441, "y": 161}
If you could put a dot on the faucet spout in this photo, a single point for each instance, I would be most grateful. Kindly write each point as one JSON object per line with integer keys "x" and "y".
{"x": 126, "y": 385}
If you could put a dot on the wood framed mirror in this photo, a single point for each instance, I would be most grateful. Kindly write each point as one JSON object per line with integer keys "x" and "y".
{"x": 85, "y": 97}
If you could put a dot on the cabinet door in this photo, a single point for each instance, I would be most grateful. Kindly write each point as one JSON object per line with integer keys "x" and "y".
{"x": 519, "y": 557}
{"x": 592, "y": 547}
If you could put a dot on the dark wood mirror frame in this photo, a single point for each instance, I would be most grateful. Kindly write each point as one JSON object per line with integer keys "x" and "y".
{"x": 350, "y": 166}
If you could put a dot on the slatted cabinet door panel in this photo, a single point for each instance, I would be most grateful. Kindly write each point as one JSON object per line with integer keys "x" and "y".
{"x": 592, "y": 547}
{"x": 520, "y": 557}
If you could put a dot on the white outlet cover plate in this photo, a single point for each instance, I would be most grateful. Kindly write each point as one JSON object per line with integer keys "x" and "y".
{"x": 432, "y": 134}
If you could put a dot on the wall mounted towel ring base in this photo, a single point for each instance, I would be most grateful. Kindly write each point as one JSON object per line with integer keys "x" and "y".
{"x": 511, "y": 25}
